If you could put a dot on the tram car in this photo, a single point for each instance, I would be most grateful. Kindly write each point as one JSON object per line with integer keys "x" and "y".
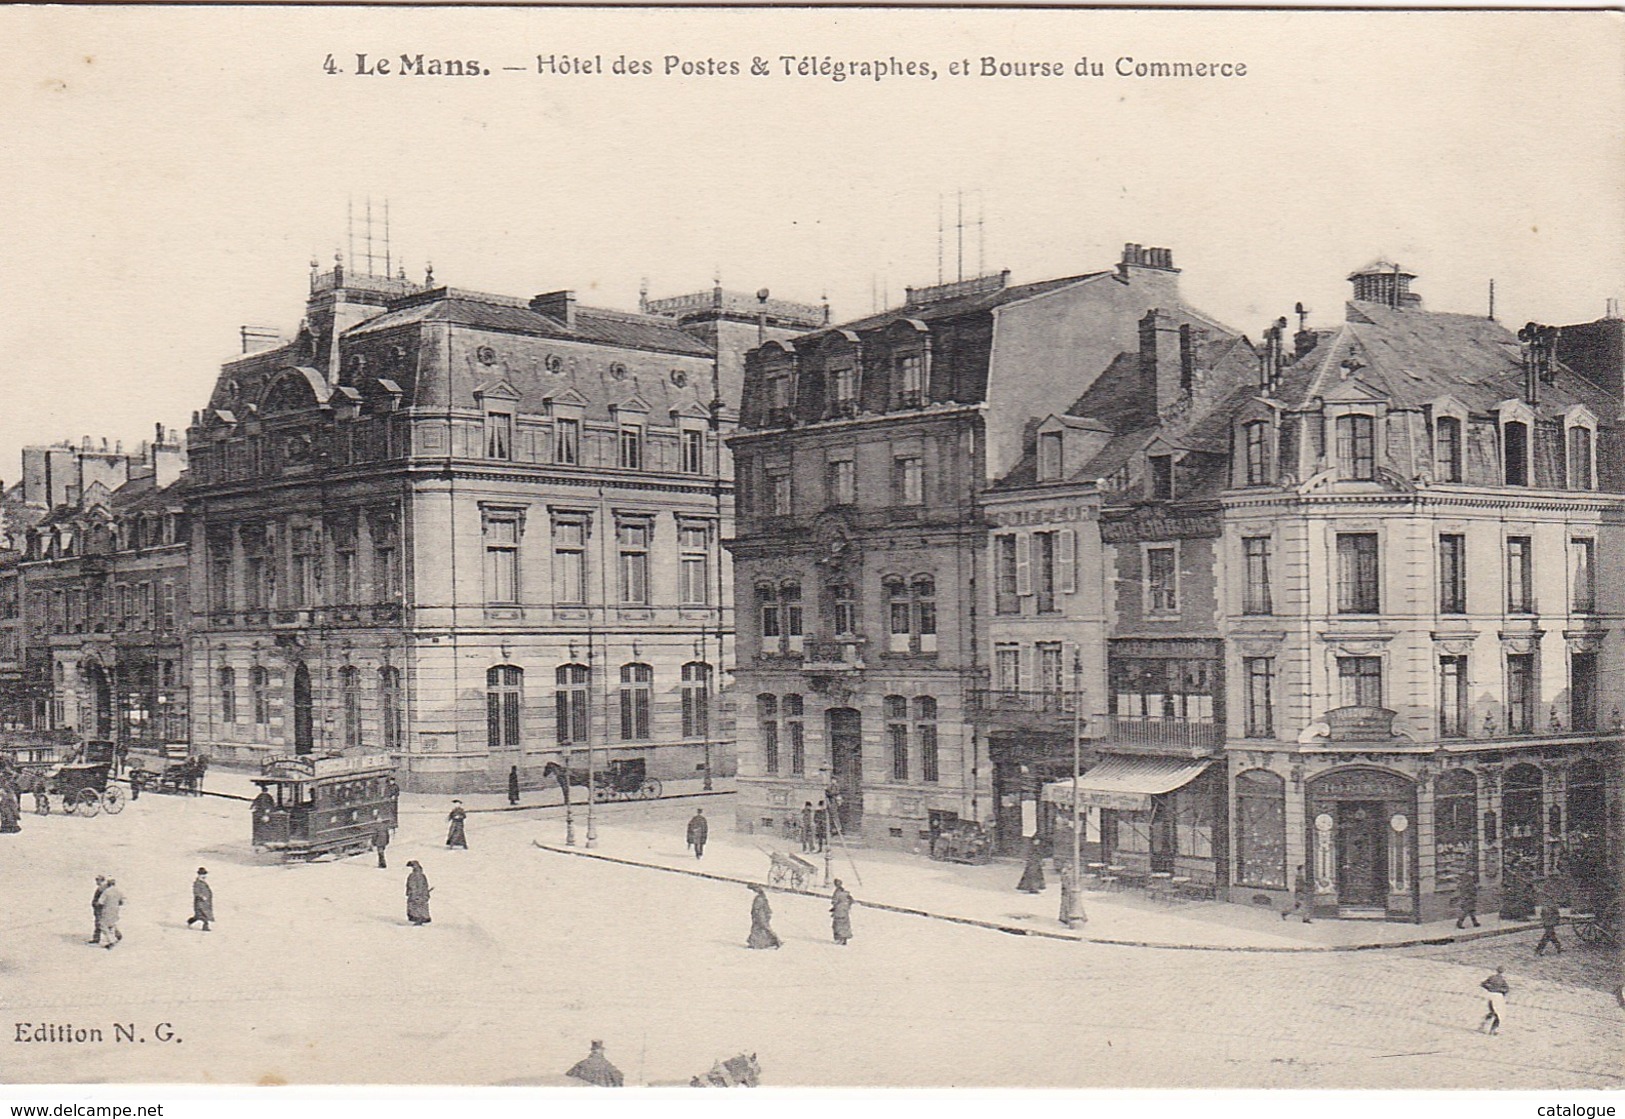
{"x": 309, "y": 806}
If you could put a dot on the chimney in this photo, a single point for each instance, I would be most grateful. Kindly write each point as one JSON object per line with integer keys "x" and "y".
{"x": 1160, "y": 369}
{"x": 559, "y": 305}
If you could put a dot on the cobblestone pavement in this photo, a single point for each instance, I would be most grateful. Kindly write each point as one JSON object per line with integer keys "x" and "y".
{"x": 313, "y": 976}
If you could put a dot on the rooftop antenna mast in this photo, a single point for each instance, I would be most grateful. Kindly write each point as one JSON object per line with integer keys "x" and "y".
{"x": 369, "y": 236}
{"x": 939, "y": 238}
{"x": 959, "y": 230}
{"x": 349, "y": 228}
{"x": 388, "y": 270}
{"x": 1492, "y": 299}
{"x": 981, "y": 233}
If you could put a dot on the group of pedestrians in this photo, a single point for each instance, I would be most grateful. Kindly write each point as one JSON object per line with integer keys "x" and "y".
{"x": 814, "y": 827}
{"x": 107, "y": 907}
{"x": 761, "y": 918}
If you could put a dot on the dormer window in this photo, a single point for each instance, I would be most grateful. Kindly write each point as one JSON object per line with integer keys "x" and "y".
{"x": 567, "y": 442}
{"x": 1356, "y": 448}
{"x": 1161, "y": 476}
{"x": 1447, "y": 448}
{"x": 691, "y": 451}
{"x": 498, "y": 435}
{"x": 778, "y": 391}
{"x": 911, "y": 380}
{"x": 1515, "y": 447}
{"x": 843, "y": 389}
{"x": 1580, "y": 451}
{"x": 631, "y": 447}
{"x": 1258, "y": 452}
{"x": 1049, "y": 456}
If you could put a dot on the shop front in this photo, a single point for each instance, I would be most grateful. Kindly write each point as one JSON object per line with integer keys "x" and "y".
{"x": 1362, "y": 843}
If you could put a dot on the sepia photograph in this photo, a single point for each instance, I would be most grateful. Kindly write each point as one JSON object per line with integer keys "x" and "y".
{"x": 810, "y": 548}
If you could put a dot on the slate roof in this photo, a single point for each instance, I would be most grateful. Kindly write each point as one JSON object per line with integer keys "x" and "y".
{"x": 952, "y": 308}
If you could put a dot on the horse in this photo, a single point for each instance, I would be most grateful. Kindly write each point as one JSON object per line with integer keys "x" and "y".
{"x": 566, "y": 778}
{"x": 743, "y": 1071}
{"x": 32, "y": 781}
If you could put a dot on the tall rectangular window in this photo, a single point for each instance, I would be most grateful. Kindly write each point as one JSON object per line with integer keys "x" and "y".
{"x": 1162, "y": 477}
{"x": 637, "y": 694}
{"x": 220, "y": 574}
{"x": 1049, "y": 456}
{"x": 386, "y": 557}
{"x": 1515, "y": 446}
{"x": 695, "y": 570}
{"x": 572, "y": 692}
{"x": 1044, "y": 572}
{"x": 259, "y": 683}
{"x": 166, "y": 613}
{"x": 1360, "y": 681}
{"x": 911, "y": 380}
{"x": 925, "y": 732}
{"x": 1579, "y": 441}
{"x": 908, "y": 480}
{"x": 691, "y": 452}
{"x": 570, "y": 562}
{"x": 1582, "y": 558}
{"x": 498, "y": 435}
{"x": 1161, "y": 581}
{"x": 631, "y": 443}
{"x": 1521, "y": 700}
{"x": 567, "y": 442}
{"x": 795, "y": 732}
{"x": 843, "y": 388}
{"x": 840, "y": 480}
{"x": 501, "y": 559}
{"x": 228, "y": 695}
{"x": 897, "y": 736}
{"x": 1260, "y": 673}
{"x": 767, "y": 722}
{"x": 1258, "y": 453}
{"x": 1357, "y": 573}
{"x": 1454, "y": 711}
{"x": 696, "y": 680}
{"x": 1447, "y": 436}
{"x": 779, "y": 492}
{"x": 1452, "y": 574}
{"x": 504, "y": 700}
{"x": 633, "y": 540}
{"x": 1583, "y": 691}
{"x": 1051, "y": 667}
{"x": 1356, "y": 449}
{"x": 302, "y": 572}
{"x": 1005, "y": 598}
{"x": 1007, "y": 668}
{"x": 1256, "y": 597}
{"x": 1520, "y": 575}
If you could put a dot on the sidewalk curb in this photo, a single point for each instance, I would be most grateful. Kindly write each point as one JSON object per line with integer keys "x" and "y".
{"x": 606, "y": 803}
{"x": 1017, "y": 930}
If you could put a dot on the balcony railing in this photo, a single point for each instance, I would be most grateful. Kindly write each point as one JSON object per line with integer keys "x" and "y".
{"x": 833, "y": 656}
{"x": 993, "y": 701}
{"x": 1161, "y": 730}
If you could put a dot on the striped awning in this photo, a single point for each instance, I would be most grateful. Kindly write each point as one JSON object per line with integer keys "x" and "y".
{"x": 1127, "y": 784}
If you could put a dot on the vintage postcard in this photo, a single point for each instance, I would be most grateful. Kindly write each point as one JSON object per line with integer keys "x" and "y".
{"x": 812, "y": 548}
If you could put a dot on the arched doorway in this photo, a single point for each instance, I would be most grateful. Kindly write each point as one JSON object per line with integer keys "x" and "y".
{"x": 846, "y": 765}
{"x": 303, "y": 736}
{"x": 99, "y": 691}
{"x": 1362, "y": 841}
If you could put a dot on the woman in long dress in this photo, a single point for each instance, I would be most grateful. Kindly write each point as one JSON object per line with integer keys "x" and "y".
{"x": 1032, "y": 876}
{"x": 417, "y": 894}
{"x": 761, "y": 922}
{"x": 840, "y": 913}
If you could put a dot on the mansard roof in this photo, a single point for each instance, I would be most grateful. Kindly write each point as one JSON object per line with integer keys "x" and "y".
{"x": 923, "y": 314}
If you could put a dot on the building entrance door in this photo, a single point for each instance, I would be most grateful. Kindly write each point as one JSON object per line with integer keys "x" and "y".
{"x": 1362, "y": 853}
{"x": 101, "y": 700}
{"x": 846, "y": 766}
{"x": 303, "y": 736}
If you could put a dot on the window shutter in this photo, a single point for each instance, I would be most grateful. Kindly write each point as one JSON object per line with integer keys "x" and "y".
{"x": 1024, "y": 563}
{"x": 1024, "y": 665}
{"x": 1066, "y": 559}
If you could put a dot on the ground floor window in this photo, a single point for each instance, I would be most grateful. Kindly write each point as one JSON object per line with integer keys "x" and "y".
{"x": 1261, "y": 829}
{"x": 1193, "y": 821}
{"x": 1455, "y": 828}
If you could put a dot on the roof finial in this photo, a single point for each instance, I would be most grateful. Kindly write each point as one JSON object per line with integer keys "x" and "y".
{"x": 428, "y": 274}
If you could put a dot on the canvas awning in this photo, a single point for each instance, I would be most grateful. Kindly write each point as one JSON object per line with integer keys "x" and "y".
{"x": 1127, "y": 784}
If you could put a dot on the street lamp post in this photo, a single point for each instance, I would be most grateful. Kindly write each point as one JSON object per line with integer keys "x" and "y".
{"x": 1074, "y": 912}
{"x": 569, "y": 811}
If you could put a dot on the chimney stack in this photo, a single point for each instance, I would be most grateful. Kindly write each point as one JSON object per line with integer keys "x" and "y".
{"x": 1161, "y": 372}
{"x": 559, "y": 305}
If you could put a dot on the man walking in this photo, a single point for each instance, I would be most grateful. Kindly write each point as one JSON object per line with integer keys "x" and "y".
{"x": 1467, "y": 898}
{"x": 202, "y": 900}
{"x": 1496, "y": 986}
{"x": 807, "y": 838}
{"x": 96, "y": 909}
{"x": 1550, "y": 918}
{"x": 840, "y": 913}
{"x": 820, "y": 827}
{"x": 455, "y": 835}
{"x": 380, "y": 841}
{"x": 699, "y": 830}
{"x": 513, "y": 784}
{"x": 107, "y": 914}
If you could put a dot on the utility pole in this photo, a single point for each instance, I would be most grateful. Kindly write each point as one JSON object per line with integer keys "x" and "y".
{"x": 1074, "y": 909}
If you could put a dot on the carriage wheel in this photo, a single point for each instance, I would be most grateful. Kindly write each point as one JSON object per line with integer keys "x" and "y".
{"x": 650, "y": 789}
{"x": 600, "y": 794}
{"x": 1589, "y": 932}
{"x": 113, "y": 800}
{"x": 90, "y": 803}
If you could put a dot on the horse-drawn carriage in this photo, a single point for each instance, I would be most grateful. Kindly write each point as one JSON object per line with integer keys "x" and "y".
{"x": 183, "y": 776}
{"x": 621, "y": 779}
{"x": 311, "y": 806}
{"x": 81, "y": 787}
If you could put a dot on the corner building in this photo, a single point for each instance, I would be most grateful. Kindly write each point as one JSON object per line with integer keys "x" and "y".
{"x": 472, "y": 531}
{"x": 1423, "y": 532}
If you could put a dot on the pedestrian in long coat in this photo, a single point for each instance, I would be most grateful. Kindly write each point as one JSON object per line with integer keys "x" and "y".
{"x": 380, "y": 842}
{"x": 202, "y": 900}
{"x": 1032, "y": 875}
{"x": 1498, "y": 990}
{"x": 840, "y": 913}
{"x": 761, "y": 922}
{"x": 10, "y": 811}
{"x": 96, "y": 909}
{"x": 108, "y": 913}
{"x": 455, "y": 836}
{"x": 417, "y": 894}
{"x": 1550, "y": 919}
{"x": 821, "y": 827}
{"x": 596, "y": 1069}
{"x": 513, "y": 784}
{"x": 698, "y": 832}
{"x": 1467, "y": 898}
{"x": 808, "y": 839}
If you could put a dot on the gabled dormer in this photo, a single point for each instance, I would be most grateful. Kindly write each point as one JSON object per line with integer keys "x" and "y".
{"x": 1353, "y": 413}
{"x": 1161, "y": 458}
{"x": 1580, "y": 448}
{"x": 1255, "y": 449}
{"x": 1065, "y": 443}
{"x": 1447, "y": 429}
{"x": 1515, "y": 422}
{"x": 498, "y": 401}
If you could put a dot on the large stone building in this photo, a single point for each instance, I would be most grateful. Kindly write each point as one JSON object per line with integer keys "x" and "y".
{"x": 473, "y": 531}
{"x": 864, "y": 450}
{"x": 1424, "y": 526}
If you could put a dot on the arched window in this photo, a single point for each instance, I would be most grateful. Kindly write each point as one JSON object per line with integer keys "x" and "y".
{"x": 572, "y": 683}
{"x": 796, "y": 733}
{"x": 350, "y": 700}
{"x": 767, "y": 721}
{"x": 228, "y": 695}
{"x": 925, "y": 731}
{"x": 1455, "y": 827}
{"x": 1522, "y": 829}
{"x": 259, "y": 684}
{"x": 696, "y": 700}
{"x": 637, "y": 689}
{"x": 389, "y": 706}
{"x": 504, "y": 699}
{"x": 1261, "y": 829}
{"x": 897, "y": 736}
